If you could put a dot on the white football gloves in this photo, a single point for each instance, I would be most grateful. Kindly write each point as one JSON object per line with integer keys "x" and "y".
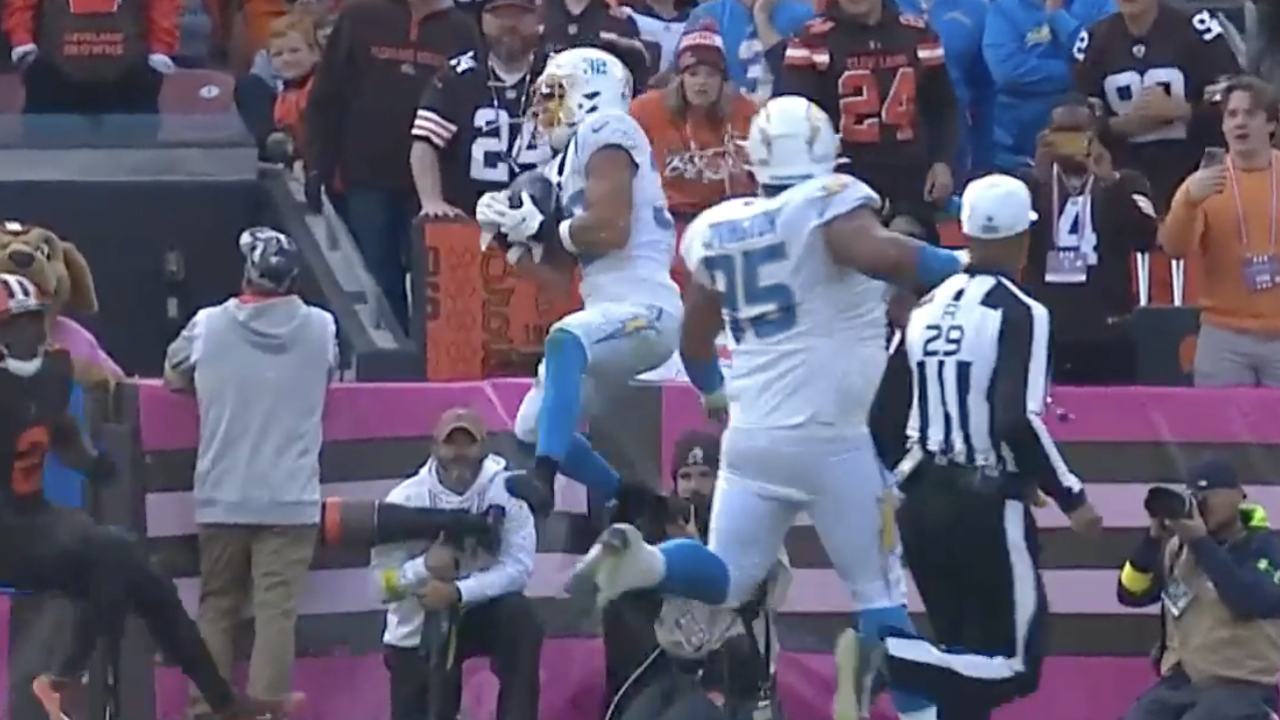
{"x": 496, "y": 216}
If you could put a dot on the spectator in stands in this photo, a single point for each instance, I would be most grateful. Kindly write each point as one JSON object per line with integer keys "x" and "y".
{"x": 750, "y": 28}
{"x": 274, "y": 112}
{"x": 483, "y": 589}
{"x": 472, "y": 133}
{"x": 701, "y": 651}
{"x": 1092, "y": 220}
{"x": 959, "y": 24}
{"x": 1028, "y": 48}
{"x": 1159, "y": 101}
{"x": 280, "y": 80}
{"x": 696, "y": 125}
{"x": 375, "y": 67}
{"x": 260, "y": 366}
{"x": 1216, "y": 576}
{"x": 1224, "y": 216}
{"x": 567, "y": 23}
{"x": 662, "y": 23}
{"x": 92, "y": 57}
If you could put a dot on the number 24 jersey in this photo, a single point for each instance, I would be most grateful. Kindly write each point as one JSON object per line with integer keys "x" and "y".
{"x": 871, "y": 81}
{"x": 809, "y": 334}
{"x": 477, "y": 124}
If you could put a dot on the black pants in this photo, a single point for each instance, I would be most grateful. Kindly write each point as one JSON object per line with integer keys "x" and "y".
{"x": 51, "y": 91}
{"x": 504, "y": 629}
{"x": 973, "y": 553}
{"x": 106, "y": 573}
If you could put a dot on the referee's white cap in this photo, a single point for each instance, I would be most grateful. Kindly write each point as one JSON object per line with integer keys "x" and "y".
{"x": 995, "y": 206}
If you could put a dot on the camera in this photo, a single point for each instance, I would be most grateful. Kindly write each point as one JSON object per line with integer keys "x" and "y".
{"x": 368, "y": 523}
{"x": 1166, "y": 503}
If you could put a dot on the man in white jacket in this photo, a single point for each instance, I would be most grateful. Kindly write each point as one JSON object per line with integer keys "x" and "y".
{"x": 482, "y": 588}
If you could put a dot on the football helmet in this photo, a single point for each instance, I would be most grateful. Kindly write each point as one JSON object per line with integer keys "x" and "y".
{"x": 576, "y": 84}
{"x": 791, "y": 140}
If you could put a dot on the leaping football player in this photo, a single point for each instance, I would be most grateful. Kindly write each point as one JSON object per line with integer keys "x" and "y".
{"x": 617, "y": 226}
{"x": 797, "y": 276}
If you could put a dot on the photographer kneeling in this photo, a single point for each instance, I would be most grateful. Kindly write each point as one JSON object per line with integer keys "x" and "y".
{"x": 451, "y": 599}
{"x": 1213, "y": 564}
{"x": 711, "y": 663}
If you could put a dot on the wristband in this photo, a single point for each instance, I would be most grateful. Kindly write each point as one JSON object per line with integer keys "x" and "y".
{"x": 934, "y": 265}
{"x": 565, "y": 240}
{"x": 704, "y": 374}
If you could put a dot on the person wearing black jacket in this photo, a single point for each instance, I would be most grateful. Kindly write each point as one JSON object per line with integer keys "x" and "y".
{"x": 376, "y": 64}
{"x": 1080, "y": 259}
{"x": 1213, "y": 565}
{"x": 598, "y": 23}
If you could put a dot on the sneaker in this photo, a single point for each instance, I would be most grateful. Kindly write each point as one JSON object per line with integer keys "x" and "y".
{"x": 614, "y": 565}
{"x": 62, "y": 698}
{"x": 857, "y": 666}
{"x": 247, "y": 708}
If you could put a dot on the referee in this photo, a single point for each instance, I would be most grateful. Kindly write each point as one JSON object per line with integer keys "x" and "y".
{"x": 978, "y": 455}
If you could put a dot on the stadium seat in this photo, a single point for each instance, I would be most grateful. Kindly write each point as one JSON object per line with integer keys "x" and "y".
{"x": 197, "y": 92}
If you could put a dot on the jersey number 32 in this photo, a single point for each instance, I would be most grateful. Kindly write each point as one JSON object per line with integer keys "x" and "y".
{"x": 753, "y": 306}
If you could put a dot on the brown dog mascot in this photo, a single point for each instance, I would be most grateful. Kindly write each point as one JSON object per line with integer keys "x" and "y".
{"x": 60, "y": 272}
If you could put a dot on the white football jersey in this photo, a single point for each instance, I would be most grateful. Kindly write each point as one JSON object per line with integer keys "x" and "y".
{"x": 809, "y": 335}
{"x": 641, "y": 271}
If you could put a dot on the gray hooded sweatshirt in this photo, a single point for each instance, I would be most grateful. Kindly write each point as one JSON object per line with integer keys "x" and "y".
{"x": 260, "y": 368}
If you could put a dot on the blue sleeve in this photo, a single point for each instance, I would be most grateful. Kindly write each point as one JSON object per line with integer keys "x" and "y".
{"x": 789, "y": 17}
{"x": 701, "y": 12}
{"x": 1013, "y": 66}
{"x": 1250, "y": 591}
{"x": 1066, "y": 28}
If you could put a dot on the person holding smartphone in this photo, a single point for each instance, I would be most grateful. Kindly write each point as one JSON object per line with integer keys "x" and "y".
{"x": 1212, "y": 563}
{"x": 1224, "y": 217}
{"x": 1093, "y": 218}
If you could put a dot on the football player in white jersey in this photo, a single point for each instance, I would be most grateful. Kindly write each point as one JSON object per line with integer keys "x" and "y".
{"x": 618, "y": 227}
{"x": 797, "y": 276}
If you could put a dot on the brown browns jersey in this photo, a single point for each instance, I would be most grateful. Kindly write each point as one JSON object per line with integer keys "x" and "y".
{"x": 874, "y": 82}
{"x": 1186, "y": 54}
{"x": 29, "y": 410}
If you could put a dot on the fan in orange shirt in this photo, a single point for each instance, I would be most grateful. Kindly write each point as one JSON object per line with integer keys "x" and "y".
{"x": 695, "y": 125}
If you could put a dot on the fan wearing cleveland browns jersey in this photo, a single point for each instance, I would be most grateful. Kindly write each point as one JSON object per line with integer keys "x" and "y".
{"x": 51, "y": 549}
{"x": 470, "y": 133}
{"x": 1155, "y": 67}
{"x": 881, "y": 76}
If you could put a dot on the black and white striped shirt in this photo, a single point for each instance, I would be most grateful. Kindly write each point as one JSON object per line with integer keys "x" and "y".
{"x": 979, "y": 353}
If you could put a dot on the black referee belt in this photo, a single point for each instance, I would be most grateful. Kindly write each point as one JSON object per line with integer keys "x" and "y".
{"x": 982, "y": 478}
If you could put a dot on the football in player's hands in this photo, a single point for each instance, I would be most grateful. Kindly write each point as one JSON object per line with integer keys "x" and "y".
{"x": 542, "y": 192}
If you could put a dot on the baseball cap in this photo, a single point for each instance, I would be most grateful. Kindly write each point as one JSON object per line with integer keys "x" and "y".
{"x": 1213, "y": 474}
{"x": 995, "y": 206}
{"x": 701, "y": 46}
{"x": 460, "y": 418}
{"x": 526, "y": 4}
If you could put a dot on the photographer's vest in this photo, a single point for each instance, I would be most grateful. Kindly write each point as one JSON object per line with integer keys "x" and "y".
{"x": 93, "y": 40}
{"x": 1202, "y": 635}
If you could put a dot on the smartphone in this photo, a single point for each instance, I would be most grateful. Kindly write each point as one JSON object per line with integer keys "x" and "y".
{"x": 1070, "y": 143}
{"x": 1213, "y": 157}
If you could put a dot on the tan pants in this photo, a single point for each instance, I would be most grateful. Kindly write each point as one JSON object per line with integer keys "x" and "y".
{"x": 263, "y": 569}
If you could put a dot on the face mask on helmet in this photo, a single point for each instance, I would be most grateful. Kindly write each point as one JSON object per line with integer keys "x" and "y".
{"x": 23, "y": 340}
{"x": 555, "y": 116}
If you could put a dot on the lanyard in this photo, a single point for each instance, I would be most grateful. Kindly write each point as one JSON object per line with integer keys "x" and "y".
{"x": 1235, "y": 194}
{"x": 1086, "y": 209}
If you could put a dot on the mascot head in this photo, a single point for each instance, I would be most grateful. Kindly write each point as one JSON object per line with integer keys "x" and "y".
{"x": 23, "y": 334}
{"x": 53, "y": 265}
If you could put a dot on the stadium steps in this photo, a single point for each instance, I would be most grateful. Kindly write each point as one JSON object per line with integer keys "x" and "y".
{"x": 158, "y": 221}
